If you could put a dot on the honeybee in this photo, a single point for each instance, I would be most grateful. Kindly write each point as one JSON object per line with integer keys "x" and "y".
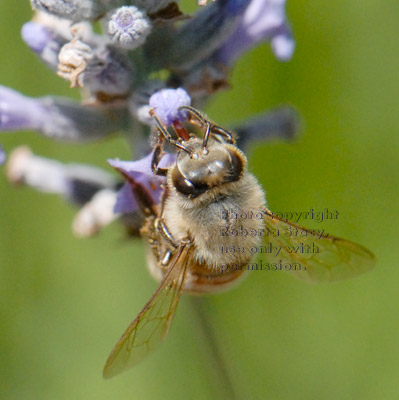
{"x": 201, "y": 237}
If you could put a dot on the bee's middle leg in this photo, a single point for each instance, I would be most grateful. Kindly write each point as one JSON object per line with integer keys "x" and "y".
{"x": 163, "y": 230}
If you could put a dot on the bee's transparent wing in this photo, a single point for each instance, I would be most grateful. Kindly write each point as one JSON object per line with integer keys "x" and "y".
{"x": 312, "y": 256}
{"x": 152, "y": 324}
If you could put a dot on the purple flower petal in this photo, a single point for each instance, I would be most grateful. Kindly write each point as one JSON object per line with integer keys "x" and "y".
{"x": 166, "y": 103}
{"x": 125, "y": 201}
{"x": 263, "y": 20}
{"x": 36, "y": 36}
{"x": 141, "y": 172}
{"x": 45, "y": 41}
{"x": 19, "y": 112}
{"x": 131, "y": 168}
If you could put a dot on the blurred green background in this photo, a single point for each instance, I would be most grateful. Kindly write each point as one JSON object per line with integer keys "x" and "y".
{"x": 65, "y": 301}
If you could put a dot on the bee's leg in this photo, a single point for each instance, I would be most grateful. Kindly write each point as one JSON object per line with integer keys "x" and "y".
{"x": 167, "y": 256}
{"x": 165, "y": 260}
{"x": 163, "y": 199}
{"x": 210, "y": 127}
{"x": 156, "y": 158}
{"x": 164, "y": 132}
{"x": 163, "y": 230}
{"x": 218, "y": 130}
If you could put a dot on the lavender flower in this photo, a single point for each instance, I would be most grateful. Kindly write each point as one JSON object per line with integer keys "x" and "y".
{"x": 57, "y": 118}
{"x": 19, "y": 112}
{"x": 36, "y": 36}
{"x": 166, "y": 104}
{"x": 129, "y": 27}
{"x": 76, "y": 182}
{"x": 191, "y": 59}
{"x": 44, "y": 42}
{"x": 263, "y": 20}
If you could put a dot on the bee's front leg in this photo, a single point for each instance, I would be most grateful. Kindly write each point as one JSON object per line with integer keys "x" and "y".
{"x": 156, "y": 158}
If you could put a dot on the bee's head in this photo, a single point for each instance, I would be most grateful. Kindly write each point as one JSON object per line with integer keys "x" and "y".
{"x": 201, "y": 169}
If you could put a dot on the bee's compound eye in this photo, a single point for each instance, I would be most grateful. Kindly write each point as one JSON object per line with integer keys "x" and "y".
{"x": 187, "y": 187}
{"x": 236, "y": 167}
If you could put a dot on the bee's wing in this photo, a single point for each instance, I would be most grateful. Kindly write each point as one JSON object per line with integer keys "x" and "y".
{"x": 152, "y": 324}
{"x": 335, "y": 259}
